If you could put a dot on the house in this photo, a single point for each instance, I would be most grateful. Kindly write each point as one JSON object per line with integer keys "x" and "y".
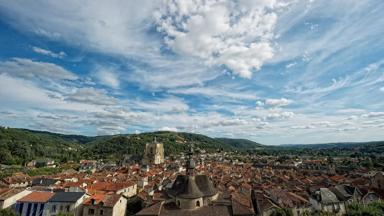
{"x": 88, "y": 166}
{"x": 370, "y": 197}
{"x": 127, "y": 189}
{"x": 262, "y": 204}
{"x": 45, "y": 182}
{"x": 378, "y": 181}
{"x": 347, "y": 194}
{"x": 324, "y": 199}
{"x": 105, "y": 205}
{"x": 9, "y": 196}
{"x": 66, "y": 202}
{"x": 33, "y": 204}
{"x": 286, "y": 199}
{"x": 17, "y": 180}
{"x": 43, "y": 162}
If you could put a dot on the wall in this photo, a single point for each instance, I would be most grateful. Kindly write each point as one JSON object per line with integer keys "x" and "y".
{"x": 189, "y": 203}
{"x": 12, "y": 200}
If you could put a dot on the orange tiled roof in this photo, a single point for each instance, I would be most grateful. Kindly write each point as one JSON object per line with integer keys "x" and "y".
{"x": 37, "y": 197}
{"x": 106, "y": 186}
{"x": 107, "y": 200}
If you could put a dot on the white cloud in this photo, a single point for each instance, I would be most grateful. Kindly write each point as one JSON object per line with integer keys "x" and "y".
{"x": 279, "y": 115}
{"x": 382, "y": 89}
{"x": 303, "y": 127}
{"x": 42, "y": 51}
{"x": 165, "y": 105}
{"x": 220, "y": 32}
{"x": 373, "y": 115}
{"x": 168, "y": 129}
{"x": 113, "y": 27}
{"x": 18, "y": 93}
{"x": 91, "y": 96}
{"x": 213, "y": 92}
{"x": 259, "y": 103}
{"x": 27, "y": 68}
{"x": 278, "y": 102}
{"x": 290, "y": 65}
{"x": 108, "y": 77}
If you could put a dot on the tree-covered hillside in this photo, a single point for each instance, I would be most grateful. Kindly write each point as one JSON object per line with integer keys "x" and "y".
{"x": 18, "y": 146}
{"x": 240, "y": 143}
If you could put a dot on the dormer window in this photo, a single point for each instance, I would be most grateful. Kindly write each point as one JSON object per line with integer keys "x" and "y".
{"x": 93, "y": 201}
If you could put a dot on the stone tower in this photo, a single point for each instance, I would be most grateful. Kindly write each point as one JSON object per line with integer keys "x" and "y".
{"x": 153, "y": 153}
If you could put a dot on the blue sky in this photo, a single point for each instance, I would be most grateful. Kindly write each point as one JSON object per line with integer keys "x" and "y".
{"x": 271, "y": 71}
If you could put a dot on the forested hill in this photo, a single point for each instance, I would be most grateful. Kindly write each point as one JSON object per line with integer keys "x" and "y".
{"x": 240, "y": 143}
{"x": 18, "y": 146}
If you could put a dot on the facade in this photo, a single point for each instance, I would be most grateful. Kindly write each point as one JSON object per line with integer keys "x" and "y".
{"x": 9, "y": 196}
{"x": 325, "y": 200}
{"x": 65, "y": 202}
{"x": 154, "y": 153}
{"x": 34, "y": 204}
{"x": 105, "y": 205}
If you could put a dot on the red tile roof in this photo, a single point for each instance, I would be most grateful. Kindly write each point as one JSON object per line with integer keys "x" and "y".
{"x": 107, "y": 200}
{"x": 37, "y": 197}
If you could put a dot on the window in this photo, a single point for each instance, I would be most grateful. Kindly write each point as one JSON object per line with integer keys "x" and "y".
{"x": 178, "y": 203}
{"x": 101, "y": 212}
{"x": 54, "y": 208}
{"x": 198, "y": 203}
{"x": 68, "y": 208}
{"x": 91, "y": 211}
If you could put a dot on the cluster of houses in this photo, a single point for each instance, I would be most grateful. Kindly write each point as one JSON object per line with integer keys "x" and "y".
{"x": 260, "y": 188}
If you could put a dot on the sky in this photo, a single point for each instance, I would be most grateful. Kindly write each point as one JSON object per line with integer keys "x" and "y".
{"x": 272, "y": 71}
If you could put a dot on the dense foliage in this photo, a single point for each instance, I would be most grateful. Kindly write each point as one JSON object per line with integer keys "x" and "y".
{"x": 372, "y": 209}
{"x": 7, "y": 212}
{"x": 19, "y": 146}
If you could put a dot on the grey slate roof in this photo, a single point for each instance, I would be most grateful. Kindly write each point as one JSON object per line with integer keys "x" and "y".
{"x": 192, "y": 187}
{"x": 66, "y": 196}
{"x": 205, "y": 185}
{"x": 189, "y": 189}
{"x": 44, "y": 182}
{"x": 327, "y": 196}
{"x": 345, "y": 192}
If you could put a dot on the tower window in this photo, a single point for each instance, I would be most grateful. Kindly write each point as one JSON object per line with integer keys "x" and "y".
{"x": 178, "y": 203}
{"x": 198, "y": 203}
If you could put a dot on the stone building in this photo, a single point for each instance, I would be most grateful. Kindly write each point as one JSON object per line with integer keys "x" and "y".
{"x": 105, "y": 205}
{"x": 153, "y": 153}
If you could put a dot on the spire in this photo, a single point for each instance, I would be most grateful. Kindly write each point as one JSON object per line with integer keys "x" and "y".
{"x": 190, "y": 164}
{"x": 155, "y": 140}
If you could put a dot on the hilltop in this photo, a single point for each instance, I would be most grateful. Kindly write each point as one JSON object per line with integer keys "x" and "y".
{"x": 18, "y": 146}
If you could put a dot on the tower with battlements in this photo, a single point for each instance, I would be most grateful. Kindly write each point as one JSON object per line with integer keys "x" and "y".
{"x": 153, "y": 153}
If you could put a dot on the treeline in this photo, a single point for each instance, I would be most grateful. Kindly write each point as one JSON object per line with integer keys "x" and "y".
{"x": 19, "y": 146}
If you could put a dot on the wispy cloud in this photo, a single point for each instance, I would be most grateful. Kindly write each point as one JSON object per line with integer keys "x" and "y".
{"x": 42, "y": 51}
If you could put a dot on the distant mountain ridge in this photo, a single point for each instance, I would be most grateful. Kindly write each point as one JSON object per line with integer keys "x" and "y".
{"x": 18, "y": 146}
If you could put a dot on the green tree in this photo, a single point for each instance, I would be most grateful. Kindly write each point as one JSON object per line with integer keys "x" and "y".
{"x": 282, "y": 212}
{"x": 7, "y": 212}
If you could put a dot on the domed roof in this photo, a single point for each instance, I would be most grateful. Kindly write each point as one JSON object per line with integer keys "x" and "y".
{"x": 205, "y": 185}
{"x": 189, "y": 189}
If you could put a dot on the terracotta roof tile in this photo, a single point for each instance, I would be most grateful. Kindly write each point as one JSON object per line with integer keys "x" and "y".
{"x": 37, "y": 197}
